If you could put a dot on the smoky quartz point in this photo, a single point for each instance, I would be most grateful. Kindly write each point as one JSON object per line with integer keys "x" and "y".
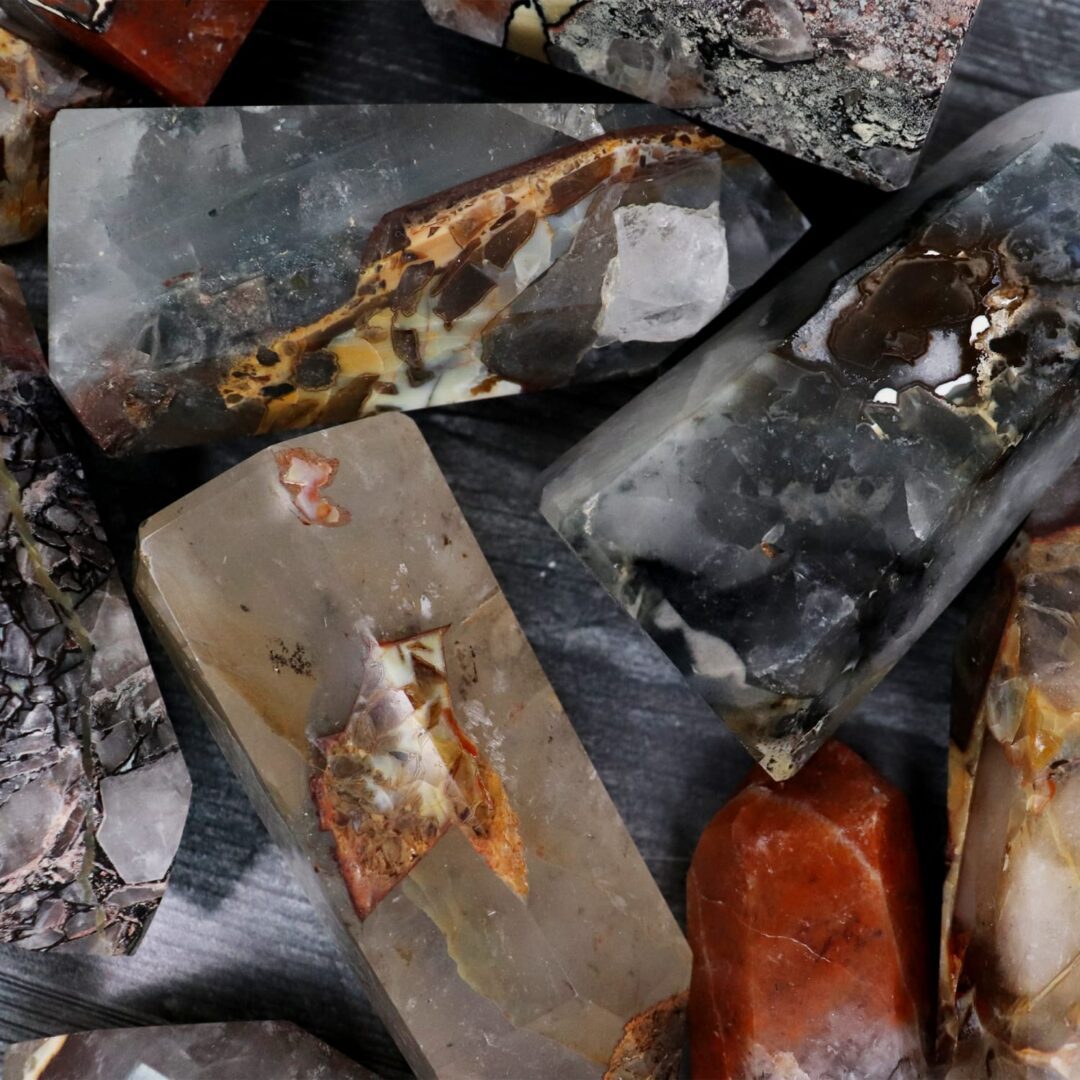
{"x": 230, "y": 271}
{"x": 93, "y": 791}
{"x": 1010, "y": 956}
{"x": 847, "y": 84}
{"x": 796, "y": 502}
{"x": 364, "y": 674}
{"x": 269, "y": 1050}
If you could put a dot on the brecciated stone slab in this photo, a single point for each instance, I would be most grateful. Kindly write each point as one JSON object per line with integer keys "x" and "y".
{"x": 179, "y": 50}
{"x": 797, "y": 501}
{"x": 313, "y": 265}
{"x": 36, "y": 83}
{"x": 93, "y": 791}
{"x": 805, "y": 917}
{"x": 1010, "y": 958}
{"x": 352, "y": 652}
{"x": 269, "y": 1050}
{"x": 847, "y": 84}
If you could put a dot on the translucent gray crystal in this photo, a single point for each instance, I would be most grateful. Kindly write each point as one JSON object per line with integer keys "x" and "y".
{"x": 790, "y": 508}
{"x": 224, "y": 271}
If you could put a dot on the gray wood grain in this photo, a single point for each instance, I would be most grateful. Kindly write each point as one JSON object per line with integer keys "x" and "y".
{"x": 234, "y": 938}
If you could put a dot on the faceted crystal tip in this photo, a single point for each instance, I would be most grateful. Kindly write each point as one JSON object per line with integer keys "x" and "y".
{"x": 379, "y": 280}
{"x": 805, "y": 917}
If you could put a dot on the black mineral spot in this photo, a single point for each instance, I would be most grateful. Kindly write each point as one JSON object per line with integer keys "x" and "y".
{"x": 278, "y": 391}
{"x": 266, "y": 357}
{"x": 316, "y": 370}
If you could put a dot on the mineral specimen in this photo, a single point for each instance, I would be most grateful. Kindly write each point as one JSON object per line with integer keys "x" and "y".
{"x": 847, "y": 84}
{"x": 267, "y": 1050}
{"x": 303, "y": 269}
{"x": 796, "y": 502}
{"x": 1010, "y": 959}
{"x": 35, "y": 84}
{"x": 179, "y": 50}
{"x": 805, "y": 918}
{"x": 354, "y": 655}
{"x": 93, "y": 791}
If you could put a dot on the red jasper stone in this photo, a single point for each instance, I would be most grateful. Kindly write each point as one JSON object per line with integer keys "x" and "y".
{"x": 179, "y": 48}
{"x": 806, "y": 920}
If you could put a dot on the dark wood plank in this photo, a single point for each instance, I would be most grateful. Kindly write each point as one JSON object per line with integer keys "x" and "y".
{"x": 234, "y": 938}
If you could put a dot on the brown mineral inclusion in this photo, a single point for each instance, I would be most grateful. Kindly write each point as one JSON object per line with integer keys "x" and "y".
{"x": 438, "y": 272}
{"x": 805, "y": 917}
{"x": 402, "y": 772}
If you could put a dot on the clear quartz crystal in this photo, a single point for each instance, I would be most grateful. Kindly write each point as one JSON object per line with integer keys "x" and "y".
{"x": 226, "y": 271}
{"x": 1010, "y": 957}
{"x": 182, "y": 1052}
{"x": 794, "y": 504}
{"x": 848, "y": 84}
{"x": 353, "y": 654}
{"x": 93, "y": 791}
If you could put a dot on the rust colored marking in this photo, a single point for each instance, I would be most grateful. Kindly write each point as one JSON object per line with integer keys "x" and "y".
{"x": 304, "y": 474}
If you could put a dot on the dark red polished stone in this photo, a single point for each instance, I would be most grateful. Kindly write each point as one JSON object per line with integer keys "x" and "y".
{"x": 805, "y": 917}
{"x": 179, "y": 48}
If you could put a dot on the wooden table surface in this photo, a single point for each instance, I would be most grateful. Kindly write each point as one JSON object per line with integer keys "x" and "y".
{"x": 234, "y": 938}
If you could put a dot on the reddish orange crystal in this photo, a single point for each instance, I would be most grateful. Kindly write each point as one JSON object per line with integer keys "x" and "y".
{"x": 179, "y": 48}
{"x": 805, "y": 917}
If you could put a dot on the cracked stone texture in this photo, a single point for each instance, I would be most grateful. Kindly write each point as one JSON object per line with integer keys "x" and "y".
{"x": 805, "y": 917}
{"x": 847, "y": 84}
{"x": 1010, "y": 958}
{"x": 353, "y": 654}
{"x": 36, "y": 84}
{"x": 233, "y": 270}
{"x": 798, "y": 500}
{"x": 93, "y": 791}
{"x": 269, "y": 1049}
{"x": 179, "y": 50}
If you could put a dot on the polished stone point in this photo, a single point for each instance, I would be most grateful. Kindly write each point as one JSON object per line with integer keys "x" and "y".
{"x": 316, "y": 264}
{"x": 805, "y": 916}
{"x": 269, "y": 1050}
{"x": 352, "y": 652}
{"x": 842, "y": 83}
{"x": 35, "y": 84}
{"x": 179, "y": 50}
{"x": 791, "y": 507}
{"x": 1010, "y": 956}
{"x": 93, "y": 791}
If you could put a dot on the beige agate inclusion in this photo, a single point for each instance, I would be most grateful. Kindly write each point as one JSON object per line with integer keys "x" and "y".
{"x": 478, "y": 973}
{"x": 438, "y": 275}
{"x": 1010, "y": 957}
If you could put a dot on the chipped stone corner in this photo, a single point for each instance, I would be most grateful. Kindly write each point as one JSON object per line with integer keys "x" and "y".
{"x": 652, "y": 1043}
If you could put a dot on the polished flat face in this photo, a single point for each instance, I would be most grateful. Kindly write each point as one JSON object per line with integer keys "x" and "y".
{"x": 93, "y": 791}
{"x": 849, "y": 85}
{"x": 352, "y": 651}
{"x": 314, "y": 265}
{"x": 789, "y": 509}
